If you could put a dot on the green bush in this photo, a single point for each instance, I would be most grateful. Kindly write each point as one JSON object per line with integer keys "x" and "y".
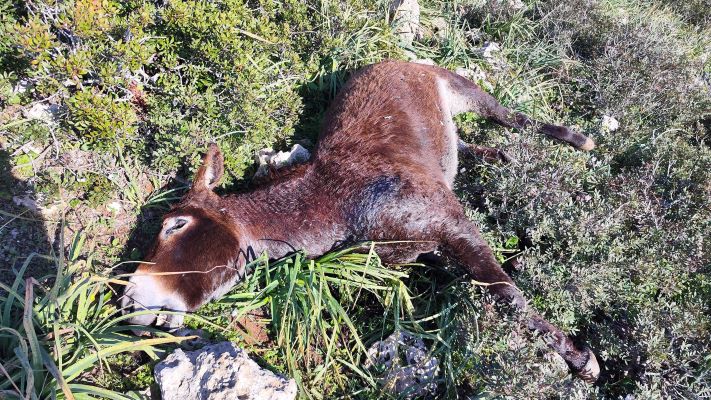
{"x": 164, "y": 81}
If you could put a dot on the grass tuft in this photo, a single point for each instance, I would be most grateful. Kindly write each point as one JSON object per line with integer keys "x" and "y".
{"x": 58, "y": 331}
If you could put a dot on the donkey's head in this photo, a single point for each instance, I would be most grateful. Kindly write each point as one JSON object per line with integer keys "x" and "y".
{"x": 195, "y": 257}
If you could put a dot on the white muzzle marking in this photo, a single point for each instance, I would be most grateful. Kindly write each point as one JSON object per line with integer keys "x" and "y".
{"x": 145, "y": 293}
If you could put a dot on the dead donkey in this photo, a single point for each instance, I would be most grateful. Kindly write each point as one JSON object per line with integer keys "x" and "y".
{"x": 383, "y": 171}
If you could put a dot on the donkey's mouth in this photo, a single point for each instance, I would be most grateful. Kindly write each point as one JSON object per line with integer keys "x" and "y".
{"x": 146, "y": 303}
{"x": 148, "y": 320}
{"x": 160, "y": 319}
{"x": 148, "y": 316}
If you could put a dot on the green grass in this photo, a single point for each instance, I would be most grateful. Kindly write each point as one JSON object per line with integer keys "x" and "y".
{"x": 57, "y": 330}
{"x": 321, "y": 317}
{"x": 610, "y": 245}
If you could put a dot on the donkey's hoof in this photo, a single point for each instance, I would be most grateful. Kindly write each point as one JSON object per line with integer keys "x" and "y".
{"x": 591, "y": 370}
{"x": 505, "y": 157}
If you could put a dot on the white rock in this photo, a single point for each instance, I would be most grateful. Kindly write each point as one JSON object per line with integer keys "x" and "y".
{"x": 269, "y": 158}
{"x": 297, "y": 155}
{"x": 490, "y": 50}
{"x": 44, "y": 112}
{"x": 494, "y": 57}
{"x": 475, "y": 74}
{"x": 264, "y": 155}
{"x": 221, "y": 371}
{"x": 610, "y": 124}
{"x": 413, "y": 375}
{"x": 406, "y": 20}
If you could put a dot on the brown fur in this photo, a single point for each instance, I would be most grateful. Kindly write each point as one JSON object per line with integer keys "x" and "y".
{"x": 383, "y": 171}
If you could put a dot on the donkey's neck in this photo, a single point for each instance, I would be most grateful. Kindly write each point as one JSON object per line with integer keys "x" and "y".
{"x": 297, "y": 211}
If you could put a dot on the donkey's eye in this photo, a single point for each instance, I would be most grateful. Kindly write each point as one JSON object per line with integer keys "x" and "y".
{"x": 174, "y": 224}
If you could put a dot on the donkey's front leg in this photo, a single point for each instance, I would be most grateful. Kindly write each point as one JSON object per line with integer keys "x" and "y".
{"x": 461, "y": 239}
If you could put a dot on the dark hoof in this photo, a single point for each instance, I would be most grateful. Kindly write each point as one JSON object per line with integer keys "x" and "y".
{"x": 591, "y": 370}
{"x": 493, "y": 155}
{"x": 504, "y": 157}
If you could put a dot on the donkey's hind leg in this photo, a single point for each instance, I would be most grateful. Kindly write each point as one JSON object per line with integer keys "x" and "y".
{"x": 489, "y": 154}
{"x": 464, "y": 95}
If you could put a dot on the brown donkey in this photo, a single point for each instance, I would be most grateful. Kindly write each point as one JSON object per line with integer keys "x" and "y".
{"x": 383, "y": 171}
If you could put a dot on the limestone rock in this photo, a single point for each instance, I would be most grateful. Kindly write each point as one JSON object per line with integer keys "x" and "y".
{"x": 490, "y": 50}
{"x": 494, "y": 56}
{"x": 610, "y": 124}
{"x": 269, "y": 158}
{"x": 409, "y": 371}
{"x": 474, "y": 74}
{"x": 48, "y": 113}
{"x": 221, "y": 371}
{"x": 405, "y": 16}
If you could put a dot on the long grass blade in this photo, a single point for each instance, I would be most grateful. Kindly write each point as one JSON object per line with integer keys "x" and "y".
{"x": 78, "y": 367}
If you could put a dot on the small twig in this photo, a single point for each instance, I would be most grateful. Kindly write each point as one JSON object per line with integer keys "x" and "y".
{"x": 12, "y": 218}
{"x": 55, "y": 142}
{"x": 253, "y": 36}
{"x": 144, "y": 39}
{"x": 39, "y": 157}
{"x": 179, "y": 272}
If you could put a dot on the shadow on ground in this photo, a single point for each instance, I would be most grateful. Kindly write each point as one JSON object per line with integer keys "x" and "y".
{"x": 22, "y": 227}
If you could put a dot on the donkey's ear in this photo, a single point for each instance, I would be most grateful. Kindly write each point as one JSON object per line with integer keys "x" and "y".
{"x": 210, "y": 172}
